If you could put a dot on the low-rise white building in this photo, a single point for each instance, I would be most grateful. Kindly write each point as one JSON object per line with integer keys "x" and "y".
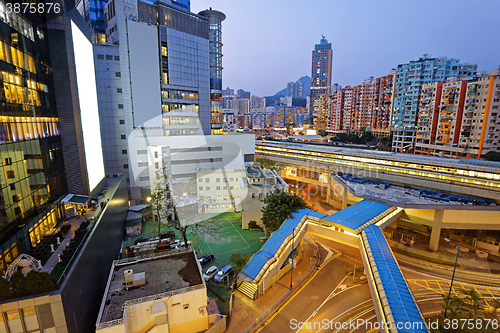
{"x": 158, "y": 293}
{"x": 219, "y": 190}
{"x": 257, "y": 184}
{"x": 149, "y": 150}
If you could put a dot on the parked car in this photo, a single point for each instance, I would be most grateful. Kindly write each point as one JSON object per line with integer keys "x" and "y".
{"x": 168, "y": 234}
{"x": 224, "y": 273}
{"x": 175, "y": 244}
{"x": 142, "y": 240}
{"x": 210, "y": 273}
{"x": 206, "y": 259}
{"x": 184, "y": 244}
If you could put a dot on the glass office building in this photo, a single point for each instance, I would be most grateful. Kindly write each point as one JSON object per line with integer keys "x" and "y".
{"x": 31, "y": 165}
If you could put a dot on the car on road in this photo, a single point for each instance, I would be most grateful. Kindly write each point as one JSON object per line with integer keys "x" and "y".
{"x": 206, "y": 259}
{"x": 210, "y": 273}
{"x": 142, "y": 240}
{"x": 224, "y": 273}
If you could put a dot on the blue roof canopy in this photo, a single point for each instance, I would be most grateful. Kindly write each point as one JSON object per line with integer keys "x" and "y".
{"x": 258, "y": 261}
{"x": 358, "y": 214}
{"x": 401, "y": 302}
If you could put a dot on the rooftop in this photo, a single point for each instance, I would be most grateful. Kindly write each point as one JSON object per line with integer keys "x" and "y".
{"x": 164, "y": 273}
{"x": 384, "y": 155}
{"x": 395, "y": 195}
{"x": 356, "y": 216}
{"x": 254, "y": 172}
{"x": 396, "y": 296}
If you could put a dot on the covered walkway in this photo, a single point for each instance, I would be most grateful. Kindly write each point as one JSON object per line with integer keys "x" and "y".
{"x": 362, "y": 223}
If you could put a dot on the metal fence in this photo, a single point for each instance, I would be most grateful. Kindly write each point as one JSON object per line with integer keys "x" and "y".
{"x": 276, "y": 304}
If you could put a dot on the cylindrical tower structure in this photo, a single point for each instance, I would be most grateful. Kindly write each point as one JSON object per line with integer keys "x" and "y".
{"x": 215, "y": 19}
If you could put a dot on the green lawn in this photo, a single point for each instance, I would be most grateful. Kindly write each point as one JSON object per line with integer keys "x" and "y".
{"x": 230, "y": 238}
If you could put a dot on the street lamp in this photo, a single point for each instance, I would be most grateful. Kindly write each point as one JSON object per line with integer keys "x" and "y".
{"x": 293, "y": 245}
{"x": 453, "y": 276}
{"x": 148, "y": 199}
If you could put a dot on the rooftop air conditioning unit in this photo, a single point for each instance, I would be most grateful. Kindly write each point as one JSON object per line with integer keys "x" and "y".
{"x": 129, "y": 276}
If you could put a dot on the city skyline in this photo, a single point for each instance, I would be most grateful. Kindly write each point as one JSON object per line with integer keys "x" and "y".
{"x": 397, "y": 33}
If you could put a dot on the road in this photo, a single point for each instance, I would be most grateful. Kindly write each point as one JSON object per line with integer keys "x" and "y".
{"x": 324, "y": 296}
{"x": 325, "y": 303}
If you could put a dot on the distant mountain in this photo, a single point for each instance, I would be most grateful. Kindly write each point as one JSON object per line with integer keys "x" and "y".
{"x": 307, "y": 87}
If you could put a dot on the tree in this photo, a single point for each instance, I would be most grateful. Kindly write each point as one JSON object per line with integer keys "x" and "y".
{"x": 322, "y": 132}
{"x": 4, "y": 289}
{"x": 253, "y": 225}
{"x": 279, "y": 206}
{"x": 239, "y": 260}
{"x": 188, "y": 218}
{"x": 473, "y": 302}
{"x": 160, "y": 200}
{"x": 492, "y": 156}
{"x": 270, "y": 164}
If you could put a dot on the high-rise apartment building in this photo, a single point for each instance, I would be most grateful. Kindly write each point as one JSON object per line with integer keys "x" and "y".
{"x": 244, "y": 105}
{"x": 321, "y": 73}
{"x": 257, "y": 103}
{"x": 362, "y": 105}
{"x": 283, "y": 115}
{"x": 228, "y": 92}
{"x": 381, "y": 110}
{"x": 459, "y": 118}
{"x": 339, "y": 110}
{"x": 215, "y": 19}
{"x": 295, "y": 89}
{"x": 321, "y": 112}
{"x": 409, "y": 79}
{"x": 243, "y": 94}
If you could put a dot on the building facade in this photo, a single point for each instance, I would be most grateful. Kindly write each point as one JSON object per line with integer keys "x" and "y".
{"x": 382, "y": 100}
{"x": 409, "y": 79}
{"x": 283, "y": 115}
{"x": 458, "y": 117}
{"x": 362, "y": 105}
{"x": 47, "y": 130}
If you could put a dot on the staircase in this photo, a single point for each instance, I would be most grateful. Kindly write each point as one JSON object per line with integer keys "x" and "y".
{"x": 248, "y": 289}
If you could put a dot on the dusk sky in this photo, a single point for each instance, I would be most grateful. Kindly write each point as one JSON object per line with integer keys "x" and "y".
{"x": 269, "y": 43}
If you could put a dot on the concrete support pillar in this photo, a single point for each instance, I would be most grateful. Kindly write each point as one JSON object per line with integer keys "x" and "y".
{"x": 344, "y": 197}
{"x": 436, "y": 230}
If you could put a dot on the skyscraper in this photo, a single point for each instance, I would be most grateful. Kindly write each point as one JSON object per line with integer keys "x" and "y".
{"x": 295, "y": 89}
{"x": 409, "y": 80}
{"x": 321, "y": 73}
{"x": 215, "y": 19}
{"x": 47, "y": 133}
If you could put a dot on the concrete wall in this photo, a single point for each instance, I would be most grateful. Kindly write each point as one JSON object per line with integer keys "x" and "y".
{"x": 83, "y": 290}
{"x": 330, "y": 233}
{"x": 48, "y": 307}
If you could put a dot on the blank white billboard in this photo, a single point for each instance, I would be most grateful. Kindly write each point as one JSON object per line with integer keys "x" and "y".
{"x": 89, "y": 113}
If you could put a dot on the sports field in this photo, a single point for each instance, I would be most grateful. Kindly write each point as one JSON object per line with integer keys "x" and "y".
{"x": 229, "y": 238}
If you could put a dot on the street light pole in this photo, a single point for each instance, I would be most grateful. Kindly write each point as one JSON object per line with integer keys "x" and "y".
{"x": 293, "y": 248}
{"x": 453, "y": 276}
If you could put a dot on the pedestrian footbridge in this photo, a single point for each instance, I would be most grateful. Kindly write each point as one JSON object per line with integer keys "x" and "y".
{"x": 360, "y": 226}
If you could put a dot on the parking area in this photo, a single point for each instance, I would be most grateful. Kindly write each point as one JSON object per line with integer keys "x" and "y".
{"x": 229, "y": 239}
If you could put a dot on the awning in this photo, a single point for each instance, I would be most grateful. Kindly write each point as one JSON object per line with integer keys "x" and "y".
{"x": 137, "y": 208}
{"x": 75, "y": 199}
